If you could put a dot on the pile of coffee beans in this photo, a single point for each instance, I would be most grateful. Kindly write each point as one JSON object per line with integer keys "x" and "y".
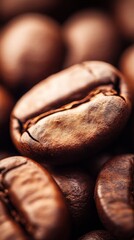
{"x": 67, "y": 120}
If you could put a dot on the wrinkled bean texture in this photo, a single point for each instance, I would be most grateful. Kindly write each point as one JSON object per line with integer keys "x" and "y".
{"x": 114, "y": 195}
{"x": 77, "y": 187}
{"x": 31, "y": 204}
{"x": 74, "y": 112}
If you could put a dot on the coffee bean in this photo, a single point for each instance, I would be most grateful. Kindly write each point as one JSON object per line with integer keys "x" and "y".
{"x": 90, "y": 35}
{"x": 77, "y": 187}
{"x": 73, "y": 123}
{"x": 114, "y": 196}
{"x": 36, "y": 51}
{"x": 8, "y": 228}
{"x": 72, "y": 113}
{"x": 31, "y": 204}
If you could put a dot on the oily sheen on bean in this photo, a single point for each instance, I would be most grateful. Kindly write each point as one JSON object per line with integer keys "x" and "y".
{"x": 114, "y": 196}
{"x": 31, "y": 204}
{"x": 74, "y": 112}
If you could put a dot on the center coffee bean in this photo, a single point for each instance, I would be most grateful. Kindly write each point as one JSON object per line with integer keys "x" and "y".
{"x": 71, "y": 113}
{"x": 31, "y": 204}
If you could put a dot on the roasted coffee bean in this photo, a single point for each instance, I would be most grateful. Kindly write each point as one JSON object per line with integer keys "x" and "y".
{"x": 31, "y": 203}
{"x": 114, "y": 196}
{"x": 71, "y": 114}
{"x": 90, "y": 35}
{"x": 127, "y": 68}
{"x": 97, "y": 235}
{"x": 78, "y": 188}
{"x": 36, "y": 51}
{"x": 73, "y": 123}
{"x": 6, "y": 105}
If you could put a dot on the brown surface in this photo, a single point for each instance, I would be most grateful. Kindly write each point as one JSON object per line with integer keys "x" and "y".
{"x": 90, "y": 35}
{"x": 84, "y": 107}
{"x": 31, "y": 49}
{"x": 114, "y": 196}
{"x": 31, "y": 203}
{"x": 77, "y": 187}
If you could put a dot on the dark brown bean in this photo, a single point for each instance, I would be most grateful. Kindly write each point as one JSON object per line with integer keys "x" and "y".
{"x": 114, "y": 196}
{"x": 31, "y": 204}
{"x": 90, "y": 35}
{"x": 74, "y": 112}
{"x": 77, "y": 187}
{"x": 36, "y": 51}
